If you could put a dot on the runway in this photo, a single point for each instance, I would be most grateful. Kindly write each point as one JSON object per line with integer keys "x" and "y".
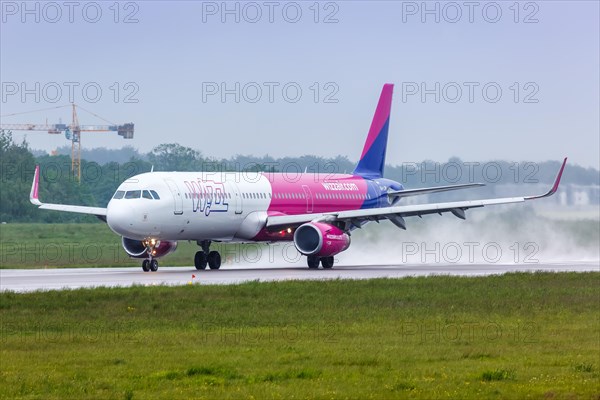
{"x": 26, "y": 280}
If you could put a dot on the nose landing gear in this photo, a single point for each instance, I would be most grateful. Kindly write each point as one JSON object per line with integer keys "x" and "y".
{"x": 205, "y": 256}
{"x": 151, "y": 263}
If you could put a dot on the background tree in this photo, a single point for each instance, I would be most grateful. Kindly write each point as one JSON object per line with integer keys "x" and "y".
{"x": 174, "y": 157}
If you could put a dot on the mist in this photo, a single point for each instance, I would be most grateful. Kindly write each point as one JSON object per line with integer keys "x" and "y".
{"x": 502, "y": 236}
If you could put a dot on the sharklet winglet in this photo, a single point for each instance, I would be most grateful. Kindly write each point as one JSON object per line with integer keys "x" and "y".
{"x": 35, "y": 185}
{"x": 554, "y": 186}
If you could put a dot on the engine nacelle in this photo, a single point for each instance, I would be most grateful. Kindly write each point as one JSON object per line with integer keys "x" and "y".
{"x": 320, "y": 239}
{"x": 138, "y": 249}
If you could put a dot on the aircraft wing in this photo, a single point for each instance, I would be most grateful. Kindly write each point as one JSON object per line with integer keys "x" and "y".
{"x": 34, "y": 199}
{"x": 396, "y": 214}
{"x": 437, "y": 189}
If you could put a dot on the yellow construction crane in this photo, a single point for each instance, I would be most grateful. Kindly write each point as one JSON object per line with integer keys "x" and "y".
{"x": 72, "y": 132}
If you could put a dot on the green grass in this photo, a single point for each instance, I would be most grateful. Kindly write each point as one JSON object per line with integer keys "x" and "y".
{"x": 500, "y": 337}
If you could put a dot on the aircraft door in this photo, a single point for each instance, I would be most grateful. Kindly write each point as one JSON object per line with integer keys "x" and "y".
{"x": 237, "y": 198}
{"x": 177, "y": 199}
{"x": 309, "y": 199}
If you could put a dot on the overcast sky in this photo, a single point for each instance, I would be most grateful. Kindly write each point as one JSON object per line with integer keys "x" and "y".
{"x": 485, "y": 81}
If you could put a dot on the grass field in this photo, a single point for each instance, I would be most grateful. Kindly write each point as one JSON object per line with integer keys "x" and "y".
{"x": 500, "y": 337}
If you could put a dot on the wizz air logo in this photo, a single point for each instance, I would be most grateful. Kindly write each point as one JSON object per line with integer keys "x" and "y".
{"x": 207, "y": 196}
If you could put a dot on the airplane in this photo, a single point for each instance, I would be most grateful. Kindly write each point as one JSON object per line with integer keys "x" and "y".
{"x": 317, "y": 212}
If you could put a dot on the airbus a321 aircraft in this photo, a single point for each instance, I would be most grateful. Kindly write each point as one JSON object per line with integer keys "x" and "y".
{"x": 318, "y": 212}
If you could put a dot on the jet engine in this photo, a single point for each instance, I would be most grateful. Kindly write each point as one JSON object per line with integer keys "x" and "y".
{"x": 320, "y": 239}
{"x": 145, "y": 248}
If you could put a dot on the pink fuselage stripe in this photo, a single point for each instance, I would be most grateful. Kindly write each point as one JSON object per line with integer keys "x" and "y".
{"x": 316, "y": 193}
{"x": 311, "y": 193}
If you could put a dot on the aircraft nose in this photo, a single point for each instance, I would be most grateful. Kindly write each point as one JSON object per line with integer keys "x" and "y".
{"x": 119, "y": 218}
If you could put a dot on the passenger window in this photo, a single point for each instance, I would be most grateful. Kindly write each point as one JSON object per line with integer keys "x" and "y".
{"x": 133, "y": 194}
{"x": 119, "y": 194}
{"x": 155, "y": 195}
{"x": 146, "y": 195}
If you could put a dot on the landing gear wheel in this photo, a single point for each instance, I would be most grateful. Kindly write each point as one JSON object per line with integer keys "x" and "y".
{"x": 327, "y": 262}
{"x": 200, "y": 260}
{"x": 214, "y": 260}
{"x": 154, "y": 265}
{"x": 145, "y": 265}
{"x": 313, "y": 262}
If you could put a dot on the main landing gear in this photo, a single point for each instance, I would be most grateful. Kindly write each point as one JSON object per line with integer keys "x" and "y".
{"x": 205, "y": 256}
{"x": 313, "y": 262}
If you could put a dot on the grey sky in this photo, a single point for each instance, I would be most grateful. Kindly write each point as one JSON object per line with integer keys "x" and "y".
{"x": 548, "y": 72}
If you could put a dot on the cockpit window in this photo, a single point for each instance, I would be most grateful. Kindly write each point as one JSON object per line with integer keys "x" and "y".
{"x": 119, "y": 194}
{"x": 156, "y": 196}
{"x": 133, "y": 194}
{"x": 146, "y": 195}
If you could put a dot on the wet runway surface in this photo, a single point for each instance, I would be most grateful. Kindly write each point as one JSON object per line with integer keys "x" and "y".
{"x": 24, "y": 280}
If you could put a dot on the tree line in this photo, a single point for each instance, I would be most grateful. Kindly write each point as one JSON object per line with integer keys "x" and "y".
{"x": 100, "y": 180}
